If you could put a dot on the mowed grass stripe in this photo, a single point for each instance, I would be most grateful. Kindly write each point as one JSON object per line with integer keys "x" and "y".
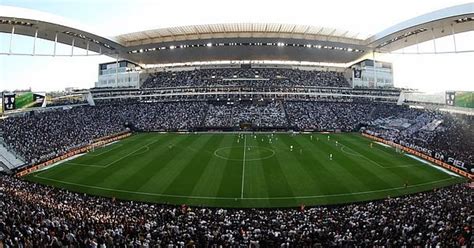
{"x": 347, "y": 172}
{"x": 213, "y": 175}
{"x": 279, "y": 183}
{"x": 171, "y": 160}
{"x": 305, "y": 181}
{"x": 190, "y": 173}
{"x": 230, "y": 183}
{"x": 335, "y": 172}
{"x": 144, "y": 168}
{"x": 256, "y": 184}
{"x": 326, "y": 174}
{"x": 273, "y": 174}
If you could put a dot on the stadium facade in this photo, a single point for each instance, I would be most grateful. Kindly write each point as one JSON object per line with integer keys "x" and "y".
{"x": 318, "y": 48}
{"x": 310, "y": 118}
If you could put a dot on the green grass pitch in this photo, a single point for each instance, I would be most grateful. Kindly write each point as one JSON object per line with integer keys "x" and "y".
{"x": 465, "y": 99}
{"x": 23, "y": 100}
{"x": 245, "y": 170}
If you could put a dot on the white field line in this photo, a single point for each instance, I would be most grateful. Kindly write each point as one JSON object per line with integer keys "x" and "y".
{"x": 44, "y": 169}
{"x": 432, "y": 165}
{"x": 382, "y": 144}
{"x": 115, "y": 161}
{"x": 362, "y": 156}
{"x": 88, "y": 165}
{"x": 243, "y": 168}
{"x": 106, "y": 151}
{"x": 378, "y": 164}
{"x": 61, "y": 162}
{"x": 247, "y": 198}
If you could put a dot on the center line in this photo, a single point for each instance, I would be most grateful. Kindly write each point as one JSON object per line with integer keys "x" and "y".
{"x": 243, "y": 168}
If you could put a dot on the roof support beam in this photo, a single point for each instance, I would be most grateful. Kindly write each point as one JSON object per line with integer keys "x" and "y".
{"x": 11, "y": 38}
{"x": 34, "y": 41}
{"x": 55, "y": 43}
{"x": 417, "y": 44}
{"x": 87, "y": 47}
{"x": 72, "y": 46}
{"x": 454, "y": 38}
{"x": 434, "y": 40}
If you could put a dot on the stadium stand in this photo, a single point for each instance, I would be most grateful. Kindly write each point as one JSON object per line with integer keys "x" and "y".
{"x": 328, "y": 115}
{"x": 447, "y": 134}
{"x": 34, "y": 215}
{"x": 258, "y": 77}
{"x": 259, "y": 115}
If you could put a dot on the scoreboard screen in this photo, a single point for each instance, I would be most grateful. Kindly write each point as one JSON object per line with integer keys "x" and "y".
{"x": 464, "y": 99}
{"x": 9, "y": 101}
{"x": 13, "y": 101}
{"x": 450, "y": 96}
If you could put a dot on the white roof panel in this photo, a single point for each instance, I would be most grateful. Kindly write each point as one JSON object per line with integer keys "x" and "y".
{"x": 238, "y": 30}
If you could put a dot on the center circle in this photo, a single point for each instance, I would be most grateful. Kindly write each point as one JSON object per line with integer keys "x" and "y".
{"x": 236, "y": 153}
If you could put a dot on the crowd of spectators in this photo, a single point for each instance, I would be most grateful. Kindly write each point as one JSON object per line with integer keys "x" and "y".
{"x": 163, "y": 116}
{"x": 42, "y": 136}
{"x": 257, "y": 77}
{"x": 329, "y": 116}
{"x": 258, "y": 115}
{"x": 442, "y": 133}
{"x": 33, "y": 215}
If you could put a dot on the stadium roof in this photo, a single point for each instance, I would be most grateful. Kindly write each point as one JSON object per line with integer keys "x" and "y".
{"x": 240, "y": 41}
{"x": 230, "y": 30}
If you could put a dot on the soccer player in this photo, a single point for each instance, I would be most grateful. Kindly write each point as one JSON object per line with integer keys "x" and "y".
{"x": 291, "y": 148}
{"x": 371, "y": 145}
{"x": 328, "y": 137}
{"x": 336, "y": 142}
{"x": 330, "y": 156}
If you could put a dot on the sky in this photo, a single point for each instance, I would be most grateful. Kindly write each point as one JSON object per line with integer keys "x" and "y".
{"x": 112, "y": 17}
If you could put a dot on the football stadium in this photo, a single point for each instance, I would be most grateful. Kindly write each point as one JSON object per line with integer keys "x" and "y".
{"x": 236, "y": 135}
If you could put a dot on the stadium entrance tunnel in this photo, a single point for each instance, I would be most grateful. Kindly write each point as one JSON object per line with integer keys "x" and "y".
{"x": 247, "y": 153}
